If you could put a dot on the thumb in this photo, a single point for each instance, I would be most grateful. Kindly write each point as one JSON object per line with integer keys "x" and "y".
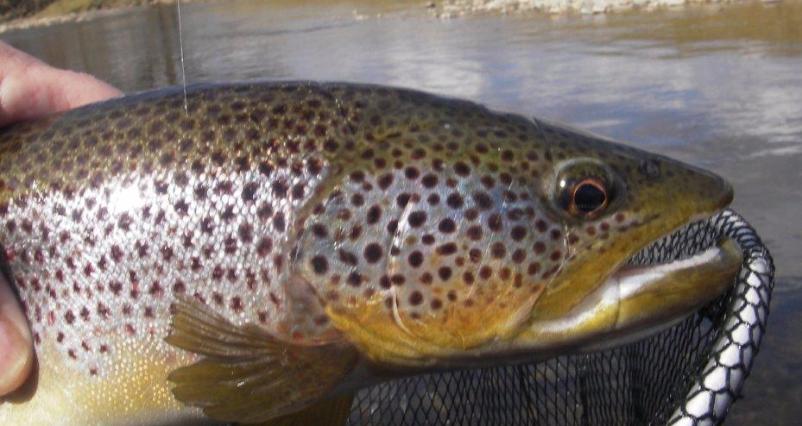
{"x": 16, "y": 348}
{"x": 29, "y": 88}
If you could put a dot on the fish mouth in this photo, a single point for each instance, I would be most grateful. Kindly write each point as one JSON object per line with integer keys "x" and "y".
{"x": 650, "y": 297}
{"x": 655, "y": 288}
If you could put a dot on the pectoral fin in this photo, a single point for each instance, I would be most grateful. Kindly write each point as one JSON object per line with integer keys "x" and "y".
{"x": 247, "y": 375}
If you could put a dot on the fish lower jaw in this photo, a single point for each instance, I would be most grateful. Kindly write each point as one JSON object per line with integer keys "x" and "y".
{"x": 635, "y": 301}
{"x": 631, "y": 278}
{"x": 638, "y": 300}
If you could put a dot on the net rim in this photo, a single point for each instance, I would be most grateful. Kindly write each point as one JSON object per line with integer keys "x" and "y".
{"x": 709, "y": 396}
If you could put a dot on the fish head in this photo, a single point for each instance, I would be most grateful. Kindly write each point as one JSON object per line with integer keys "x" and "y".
{"x": 511, "y": 242}
{"x": 614, "y": 202}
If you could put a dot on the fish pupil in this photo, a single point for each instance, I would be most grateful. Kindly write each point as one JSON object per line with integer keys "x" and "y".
{"x": 589, "y": 197}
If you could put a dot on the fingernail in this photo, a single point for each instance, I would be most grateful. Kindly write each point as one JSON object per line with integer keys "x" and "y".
{"x": 16, "y": 351}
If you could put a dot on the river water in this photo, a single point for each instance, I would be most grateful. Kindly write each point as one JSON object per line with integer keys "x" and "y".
{"x": 720, "y": 87}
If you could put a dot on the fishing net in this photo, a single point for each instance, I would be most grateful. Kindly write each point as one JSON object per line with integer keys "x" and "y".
{"x": 689, "y": 374}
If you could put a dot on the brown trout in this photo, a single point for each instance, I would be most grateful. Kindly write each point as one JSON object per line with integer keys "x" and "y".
{"x": 259, "y": 251}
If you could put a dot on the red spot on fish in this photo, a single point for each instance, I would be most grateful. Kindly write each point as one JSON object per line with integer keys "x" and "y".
{"x": 102, "y": 263}
{"x": 11, "y": 255}
{"x": 116, "y": 253}
{"x": 236, "y": 304}
{"x": 167, "y": 253}
{"x": 39, "y": 256}
{"x": 141, "y": 249}
{"x": 103, "y": 310}
{"x": 217, "y": 273}
{"x": 156, "y": 289}
{"x": 250, "y": 279}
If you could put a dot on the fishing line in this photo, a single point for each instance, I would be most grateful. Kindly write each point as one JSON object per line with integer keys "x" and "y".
{"x": 181, "y": 53}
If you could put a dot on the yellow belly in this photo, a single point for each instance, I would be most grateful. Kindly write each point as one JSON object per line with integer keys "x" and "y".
{"x": 134, "y": 391}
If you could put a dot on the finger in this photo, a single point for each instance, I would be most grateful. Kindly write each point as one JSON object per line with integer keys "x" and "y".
{"x": 16, "y": 348}
{"x": 30, "y": 88}
{"x": 72, "y": 89}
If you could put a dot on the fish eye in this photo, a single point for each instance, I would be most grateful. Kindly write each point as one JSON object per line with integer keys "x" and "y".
{"x": 585, "y": 189}
{"x": 587, "y": 197}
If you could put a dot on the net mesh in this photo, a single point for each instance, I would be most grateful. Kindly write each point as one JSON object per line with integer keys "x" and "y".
{"x": 689, "y": 374}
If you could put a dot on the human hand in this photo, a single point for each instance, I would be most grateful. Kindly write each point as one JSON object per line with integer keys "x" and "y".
{"x": 29, "y": 88}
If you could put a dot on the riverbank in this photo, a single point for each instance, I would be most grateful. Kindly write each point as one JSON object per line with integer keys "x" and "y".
{"x": 20, "y": 14}
{"x": 456, "y": 8}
